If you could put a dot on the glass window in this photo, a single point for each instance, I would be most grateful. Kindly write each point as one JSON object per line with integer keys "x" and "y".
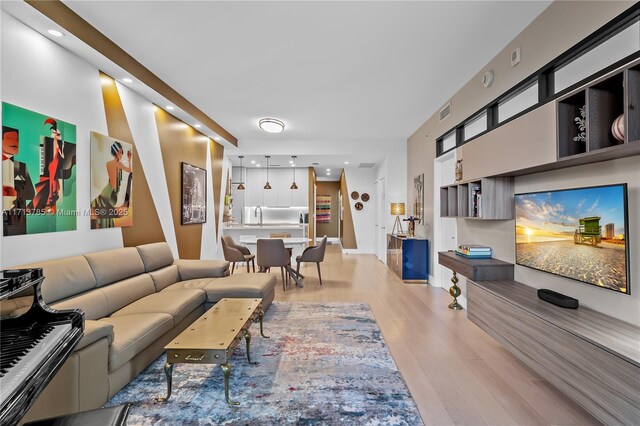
{"x": 617, "y": 47}
{"x": 518, "y": 103}
{"x": 476, "y": 126}
{"x": 449, "y": 141}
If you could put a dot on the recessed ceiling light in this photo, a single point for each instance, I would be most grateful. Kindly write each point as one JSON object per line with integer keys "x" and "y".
{"x": 55, "y": 33}
{"x": 328, "y": 174}
{"x": 253, "y": 162}
{"x": 257, "y": 165}
{"x": 346, "y": 162}
{"x": 271, "y": 125}
{"x": 127, "y": 80}
{"x": 169, "y": 107}
{"x": 216, "y": 138}
{"x": 290, "y": 161}
{"x": 197, "y": 126}
{"x": 328, "y": 170}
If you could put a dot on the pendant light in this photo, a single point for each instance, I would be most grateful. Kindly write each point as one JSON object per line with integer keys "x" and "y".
{"x": 267, "y": 185}
{"x": 294, "y": 185}
{"x": 241, "y": 184}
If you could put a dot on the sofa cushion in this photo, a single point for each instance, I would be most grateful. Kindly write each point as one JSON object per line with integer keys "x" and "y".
{"x": 197, "y": 283}
{"x": 191, "y": 269}
{"x": 122, "y": 293}
{"x": 133, "y": 333}
{"x": 93, "y": 303}
{"x": 114, "y": 265}
{"x": 164, "y": 277}
{"x": 178, "y": 304}
{"x": 64, "y": 277}
{"x": 94, "y": 331}
{"x": 240, "y": 285}
{"x": 155, "y": 255}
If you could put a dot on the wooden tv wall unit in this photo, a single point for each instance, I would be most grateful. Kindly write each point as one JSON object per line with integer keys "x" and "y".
{"x": 591, "y": 357}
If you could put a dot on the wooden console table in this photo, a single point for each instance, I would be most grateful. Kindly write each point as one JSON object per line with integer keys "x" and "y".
{"x": 474, "y": 269}
{"x": 591, "y": 357}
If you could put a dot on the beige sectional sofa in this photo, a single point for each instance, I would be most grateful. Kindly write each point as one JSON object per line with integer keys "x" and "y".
{"x": 135, "y": 300}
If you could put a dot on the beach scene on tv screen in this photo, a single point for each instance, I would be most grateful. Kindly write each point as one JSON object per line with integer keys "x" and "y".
{"x": 578, "y": 233}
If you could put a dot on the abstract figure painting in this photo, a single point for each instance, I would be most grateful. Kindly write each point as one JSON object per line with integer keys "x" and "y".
{"x": 36, "y": 147}
{"x": 323, "y": 208}
{"x": 194, "y": 194}
{"x": 418, "y": 198}
{"x": 111, "y": 182}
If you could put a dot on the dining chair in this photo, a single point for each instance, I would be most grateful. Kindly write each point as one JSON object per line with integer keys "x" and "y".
{"x": 236, "y": 253}
{"x": 272, "y": 253}
{"x": 313, "y": 254}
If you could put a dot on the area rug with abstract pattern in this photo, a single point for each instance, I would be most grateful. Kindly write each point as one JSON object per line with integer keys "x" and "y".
{"x": 325, "y": 363}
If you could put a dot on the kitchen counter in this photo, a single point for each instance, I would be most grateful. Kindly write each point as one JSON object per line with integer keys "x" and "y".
{"x": 296, "y": 230}
{"x": 268, "y": 226}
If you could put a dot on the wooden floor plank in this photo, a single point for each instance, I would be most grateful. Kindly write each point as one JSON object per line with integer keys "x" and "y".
{"x": 457, "y": 374}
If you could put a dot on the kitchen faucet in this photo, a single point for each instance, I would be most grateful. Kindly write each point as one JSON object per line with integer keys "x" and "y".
{"x": 255, "y": 214}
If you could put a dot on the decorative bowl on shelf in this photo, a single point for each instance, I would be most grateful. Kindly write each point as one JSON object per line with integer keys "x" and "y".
{"x": 617, "y": 128}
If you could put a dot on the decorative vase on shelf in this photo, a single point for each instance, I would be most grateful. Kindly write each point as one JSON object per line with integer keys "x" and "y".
{"x": 458, "y": 172}
{"x": 617, "y": 128}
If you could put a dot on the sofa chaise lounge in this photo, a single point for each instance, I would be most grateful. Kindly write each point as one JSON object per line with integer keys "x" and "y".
{"x": 135, "y": 300}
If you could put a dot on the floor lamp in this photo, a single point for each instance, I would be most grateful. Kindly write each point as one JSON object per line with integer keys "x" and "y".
{"x": 397, "y": 209}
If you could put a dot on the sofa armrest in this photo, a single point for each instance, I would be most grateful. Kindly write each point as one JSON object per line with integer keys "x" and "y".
{"x": 191, "y": 269}
{"x": 94, "y": 331}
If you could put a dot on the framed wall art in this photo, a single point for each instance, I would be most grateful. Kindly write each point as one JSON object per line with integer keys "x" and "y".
{"x": 194, "y": 194}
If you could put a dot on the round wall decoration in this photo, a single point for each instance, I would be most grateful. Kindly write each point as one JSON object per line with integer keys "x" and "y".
{"x": 365, "y": 197}
{"x": 359, "y": 206}
{"x": 355, "y": 195}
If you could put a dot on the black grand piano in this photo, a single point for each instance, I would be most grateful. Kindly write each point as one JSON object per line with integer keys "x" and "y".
{"x": 33, "y": 346}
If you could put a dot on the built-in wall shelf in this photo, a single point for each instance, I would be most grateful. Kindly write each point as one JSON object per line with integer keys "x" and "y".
{"x": 591, "y": 357}
{"x": 585, "y": 118}
{"x": 485, "y": 199}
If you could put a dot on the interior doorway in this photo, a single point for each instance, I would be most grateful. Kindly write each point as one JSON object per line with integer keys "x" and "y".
{"x": 380, "y": 221}
{"x": 445, "y": 231}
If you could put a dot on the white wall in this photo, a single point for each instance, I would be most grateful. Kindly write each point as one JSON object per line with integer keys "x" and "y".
{"x": 362, "y": 180}
{"x": 41, "y": 76}
{"x": 393, "y": 169}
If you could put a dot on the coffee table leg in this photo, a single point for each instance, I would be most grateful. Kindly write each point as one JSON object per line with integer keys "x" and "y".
{"x": 261, "y": 316}
{"x": 247, "y": 337}
{"x": 226, "y": 369}
{"x": 168, "y": 372}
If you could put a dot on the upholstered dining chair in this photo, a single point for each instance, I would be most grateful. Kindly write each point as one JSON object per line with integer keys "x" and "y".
{"x": 313, "y": 254}
{"x": 236, "y": 253}
{"x": 272, "y": 253}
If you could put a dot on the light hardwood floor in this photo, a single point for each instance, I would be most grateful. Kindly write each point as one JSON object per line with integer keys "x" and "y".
{"x": 456, "y": 373}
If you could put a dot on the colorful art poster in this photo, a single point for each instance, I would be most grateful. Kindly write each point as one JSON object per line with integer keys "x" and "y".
{"x": 38, "y": 173}
{"x": 323, "y": 208}
{"x": 111, "y": 182}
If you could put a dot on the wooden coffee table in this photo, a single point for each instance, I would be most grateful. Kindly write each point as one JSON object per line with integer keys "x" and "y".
{"x": 212, "y": 338}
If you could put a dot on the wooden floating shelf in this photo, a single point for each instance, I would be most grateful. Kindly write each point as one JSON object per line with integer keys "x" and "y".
{"x": 483, "y": 199}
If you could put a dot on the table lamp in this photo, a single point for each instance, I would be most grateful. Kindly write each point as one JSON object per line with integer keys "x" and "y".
{"x": 397, "y": 209}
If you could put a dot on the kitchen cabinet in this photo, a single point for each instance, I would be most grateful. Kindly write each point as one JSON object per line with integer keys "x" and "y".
{"x": 280, "y": 193}
{"x": 285, "y": 179}
{"x": 256, "y": 179}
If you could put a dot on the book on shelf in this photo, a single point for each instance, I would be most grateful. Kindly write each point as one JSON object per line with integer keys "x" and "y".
{"x": 474, "y": 247}
{"x": 476, "y": 195}
{"x": 481, "y": 255}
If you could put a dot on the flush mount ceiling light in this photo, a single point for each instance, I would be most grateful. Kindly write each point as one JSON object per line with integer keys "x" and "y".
{"x": 293, "y": 161}
{"x": 267, "y": 185}
{"x": 55, "y": 33}
{"x": 271, "y": 125}
{"x": 241, "y": 184}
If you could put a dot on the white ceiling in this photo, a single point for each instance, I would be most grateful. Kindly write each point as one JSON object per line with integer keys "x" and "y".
{"x": 330, "y": 70}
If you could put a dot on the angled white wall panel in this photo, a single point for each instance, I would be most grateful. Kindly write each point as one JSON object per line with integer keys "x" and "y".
{"x": 142, "y": 122}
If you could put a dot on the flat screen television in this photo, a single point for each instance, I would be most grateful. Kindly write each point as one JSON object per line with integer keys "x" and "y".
{"x": 577, "y": 233}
